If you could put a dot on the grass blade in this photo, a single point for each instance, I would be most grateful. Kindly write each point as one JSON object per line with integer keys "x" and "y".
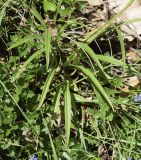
{"x": 82, "y": 139}
{"x": 94, "y": 57}
{"x": 132, "y": 141}
{"x": 46, "y": 87}
{"x": 19, "y": 108}
{"x": 53, "y": 147}
{"x": 47, "y": 131}
{"x": 37, "y": 15}
{"x": 47, "y": 46}
{"x": 67, "y": 97}
{"x": 95, "y": 84}
{"x": 31, "y": 58}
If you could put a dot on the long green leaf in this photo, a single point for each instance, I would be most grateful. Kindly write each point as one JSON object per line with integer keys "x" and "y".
{"x": 114, "y": 61}
{"x": 53, "y": 147}
{"x": 95, "y": 84}
{"x": 110, "y": 60}
{"x": 94, "y": 57}
{"x": 47, "y": 46}
{"x": 46, "y": 87}
{"x": 37, "y": 15}
{"x": 67, "y": 97}
{"x": 25, "y": 64}
{"x": 23, "y": 40}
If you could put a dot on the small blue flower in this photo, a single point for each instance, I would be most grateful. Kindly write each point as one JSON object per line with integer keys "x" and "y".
{"x": 34, "y": 157}
{"x": 137, "y": 98}
{"x": 131, "y": 158}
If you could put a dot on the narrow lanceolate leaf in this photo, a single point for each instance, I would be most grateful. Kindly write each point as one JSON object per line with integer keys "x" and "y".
{"x": 53, "y": 147}
{"x": 25, "y": 64}
{"x": 56, "y": 101}
{"x": 95, "y": 84}
{"x": 91, "y": 53}
{"x": 37, "y": 15}
{"x": 47, "y": 46}
{"x": 46, "y": 88}
{"x": 67, "y": 98}
{"x": 114, "y": 61}
{"x": 23, "y": 40}
{"x": 109, "y": 59}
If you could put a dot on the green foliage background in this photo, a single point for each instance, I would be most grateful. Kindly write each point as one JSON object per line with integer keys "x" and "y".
{"x": 58, "y": 98}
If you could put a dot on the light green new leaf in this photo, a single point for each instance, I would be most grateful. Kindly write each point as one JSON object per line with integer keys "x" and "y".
{"x": 49, "y": 6}
{"x": 95, "y": 84}
{"x": 67, "y": 98}
{"x": 23, "y": 40}
{"x": 47, "y": 46}
{"x": 37, "y": 15}
{"x": 94, "y": 57}
{"x": 46, "y": 87}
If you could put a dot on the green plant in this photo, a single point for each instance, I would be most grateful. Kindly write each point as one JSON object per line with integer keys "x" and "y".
{"x": 58, "y": 98}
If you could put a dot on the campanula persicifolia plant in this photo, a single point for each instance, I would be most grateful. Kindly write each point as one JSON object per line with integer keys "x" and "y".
{"x": 62, "y": 72}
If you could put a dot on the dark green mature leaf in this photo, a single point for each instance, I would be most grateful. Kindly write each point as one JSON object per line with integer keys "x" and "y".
{"x": 95, "y": 84}
{"x": 91, "y": 53}
{"x": 46, "y": 87}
